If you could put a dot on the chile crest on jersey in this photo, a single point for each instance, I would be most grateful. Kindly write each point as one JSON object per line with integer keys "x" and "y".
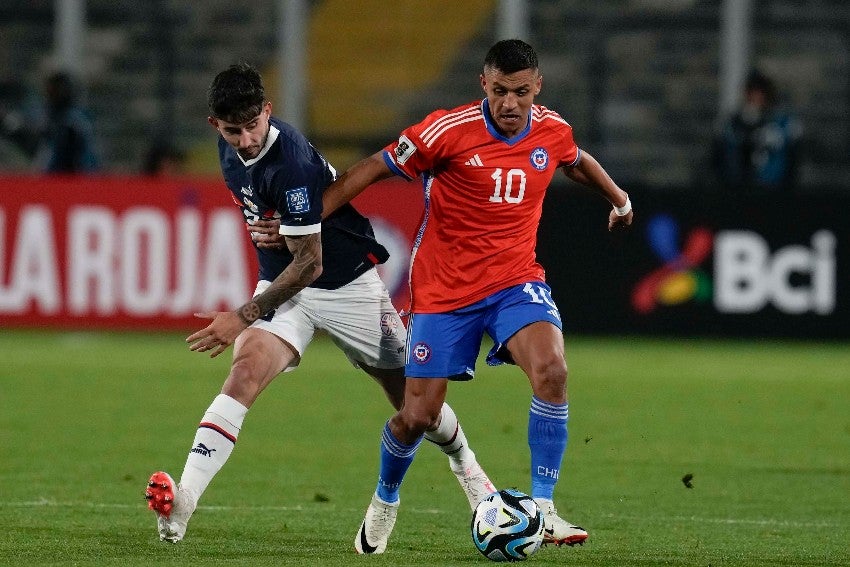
{"x": 539, "y": 158}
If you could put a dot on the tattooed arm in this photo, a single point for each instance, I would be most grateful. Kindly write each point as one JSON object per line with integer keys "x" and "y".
{"x": 305, "y": 267}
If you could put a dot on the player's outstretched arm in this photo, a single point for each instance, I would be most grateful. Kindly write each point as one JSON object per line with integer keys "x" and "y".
{"x": 354, "y": 181}
{"x": 590, "y": 173}
{"x": 305, "y": 267}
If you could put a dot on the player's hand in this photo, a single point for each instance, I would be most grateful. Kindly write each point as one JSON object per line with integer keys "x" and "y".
{"x": 265, "y": 233}
{"x": 218, "y": 335}
{"x": 617, "y": 222}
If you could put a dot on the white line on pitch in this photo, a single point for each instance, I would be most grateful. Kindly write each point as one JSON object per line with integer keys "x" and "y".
{"x": 44, "y": 502}
{"x": 299, "y": 508}
{"x": 763, "y": 522}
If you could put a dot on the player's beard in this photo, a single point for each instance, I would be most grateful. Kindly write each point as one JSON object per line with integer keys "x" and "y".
{"x": 252, "y": 152}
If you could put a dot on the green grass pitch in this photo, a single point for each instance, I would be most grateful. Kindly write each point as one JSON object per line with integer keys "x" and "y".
{"x": 762, "y": 427}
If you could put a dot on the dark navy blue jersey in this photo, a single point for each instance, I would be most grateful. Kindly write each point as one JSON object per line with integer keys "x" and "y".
{"x": 286, "y": 181}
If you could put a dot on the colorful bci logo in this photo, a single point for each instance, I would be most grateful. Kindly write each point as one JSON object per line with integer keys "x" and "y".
{"x": 746, "y": 275}
{"x": 680, "y": 278}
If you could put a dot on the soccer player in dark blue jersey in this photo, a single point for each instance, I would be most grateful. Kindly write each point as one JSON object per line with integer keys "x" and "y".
{"x": 314, "y": 274}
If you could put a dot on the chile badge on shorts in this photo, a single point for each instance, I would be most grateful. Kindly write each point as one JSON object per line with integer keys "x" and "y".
{"x": 421, "y": 353}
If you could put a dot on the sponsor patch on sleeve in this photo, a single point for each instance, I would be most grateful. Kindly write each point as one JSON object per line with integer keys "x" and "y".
{"x": 298, "y": 201}
{"x": 404, "y": 150}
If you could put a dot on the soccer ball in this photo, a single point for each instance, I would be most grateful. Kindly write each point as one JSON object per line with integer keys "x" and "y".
{"x": 507, "y": 526}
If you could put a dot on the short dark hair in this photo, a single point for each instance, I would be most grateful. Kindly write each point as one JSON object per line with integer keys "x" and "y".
{"x": 758, "y": 81}
{"x": 236, "y": 94}
{"x": 510, "y": 56}
{"x": 60, "y": 90}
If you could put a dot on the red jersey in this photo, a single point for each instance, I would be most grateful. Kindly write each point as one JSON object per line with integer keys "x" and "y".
{"x": 483, "y": 200}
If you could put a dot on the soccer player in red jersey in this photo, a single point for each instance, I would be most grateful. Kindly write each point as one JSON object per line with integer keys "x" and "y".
{"x": 485, "y": 168}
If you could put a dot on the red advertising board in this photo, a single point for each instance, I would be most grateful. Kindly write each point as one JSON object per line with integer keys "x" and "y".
{"x": 147, "y": 253}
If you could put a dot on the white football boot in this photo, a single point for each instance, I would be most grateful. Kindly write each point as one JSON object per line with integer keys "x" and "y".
{"x": 474, "y": 482}
{"x": 173, "y": 505}
{"x": 377, "y": 526}
{"x": 556, "y": 529}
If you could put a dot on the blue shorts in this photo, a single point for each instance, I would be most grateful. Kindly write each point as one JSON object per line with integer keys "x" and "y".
{"x": 446, "y": 345}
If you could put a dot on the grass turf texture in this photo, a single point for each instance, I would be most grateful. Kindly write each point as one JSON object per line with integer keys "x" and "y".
{"x": 762, "y": 427}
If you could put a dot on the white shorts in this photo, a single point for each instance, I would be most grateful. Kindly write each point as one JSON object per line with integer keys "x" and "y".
{"x": 359, "y": 317}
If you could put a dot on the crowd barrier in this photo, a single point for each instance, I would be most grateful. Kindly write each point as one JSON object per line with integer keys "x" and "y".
{"x": 701, "y": 264}
{"x": 146, "y": 253}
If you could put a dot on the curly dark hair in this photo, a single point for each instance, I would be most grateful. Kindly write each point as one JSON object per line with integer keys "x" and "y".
{"x": 236, "y": 94}
{"x": 510, "y": 56}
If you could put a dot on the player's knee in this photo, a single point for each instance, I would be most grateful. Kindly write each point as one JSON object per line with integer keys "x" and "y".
{"x": 416, "y": 421}
{"x": 549, "y": 378}
{"x": 243, "y": 383}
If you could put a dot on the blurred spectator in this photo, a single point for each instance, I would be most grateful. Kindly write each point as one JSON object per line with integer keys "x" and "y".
{"x": 164, "y": 159}
{"x": 59, "y": 137}
{"x": 758, "y": 147}
{"x": 17, "y": 137}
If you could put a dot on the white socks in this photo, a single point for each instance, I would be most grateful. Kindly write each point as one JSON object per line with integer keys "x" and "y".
{"x": 451, "y": 440}
{"x": 213, "y": 443}
{"x": 220, "y": 426}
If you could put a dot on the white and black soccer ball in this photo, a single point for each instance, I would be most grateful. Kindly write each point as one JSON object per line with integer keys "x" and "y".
{"x": 507, "y": 526}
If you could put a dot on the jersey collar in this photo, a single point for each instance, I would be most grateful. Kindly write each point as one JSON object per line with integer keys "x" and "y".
{"x": 488, "y": 121}
{"x": 270, "y": 139}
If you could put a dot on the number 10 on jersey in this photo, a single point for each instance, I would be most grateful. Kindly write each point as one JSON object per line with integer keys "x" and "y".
{"x": 510, "y": 180}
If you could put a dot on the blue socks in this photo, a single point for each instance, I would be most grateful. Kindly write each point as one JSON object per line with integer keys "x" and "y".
{"x": 395, "y": 460}
{"x": 547, "y": 438}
